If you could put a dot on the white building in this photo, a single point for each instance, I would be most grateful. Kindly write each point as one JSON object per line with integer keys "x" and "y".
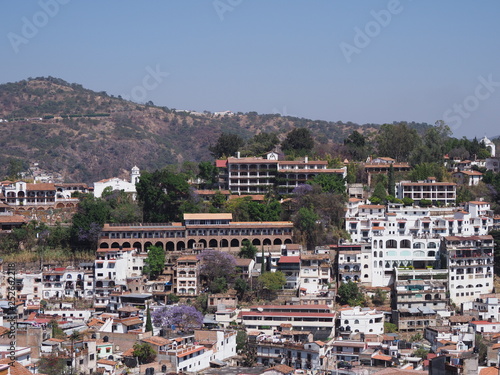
{"x": 360, "y": 320}
{"x": 487, "y": 306}
{"x": 490, "y": 145}
{"x": 63, "y": 283}
{"x": 469, "y": 178}
{"x": 315, "y": 273}
{"x": 116, "y": 183}
{"x": 113, "y": 268}
{"x": 470, "y": 262}
{"x": 443, "y": 193}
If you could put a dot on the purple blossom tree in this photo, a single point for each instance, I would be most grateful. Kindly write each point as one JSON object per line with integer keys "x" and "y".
{"x": 184, "y": 317}
{"x": 302, "y": 189}
{"x": 215, "y": 264}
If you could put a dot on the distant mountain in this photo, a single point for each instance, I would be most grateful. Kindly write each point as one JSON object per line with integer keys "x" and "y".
{"x": 87, "y": 136}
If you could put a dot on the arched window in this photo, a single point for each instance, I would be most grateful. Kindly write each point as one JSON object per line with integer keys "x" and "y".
{"x": 375, "y": 253}
{"x": 431, "y": 245}
{"x": 405, "y": 244}
{"x": 391, "y": 244}
{"x": 380, "y": 254}
{"x": 356, "y": 321}
{"x": 346, "y": 321}
{"x": 365, "y": 266}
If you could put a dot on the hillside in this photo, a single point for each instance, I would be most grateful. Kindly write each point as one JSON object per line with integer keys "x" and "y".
{"x": 87, "y": 135}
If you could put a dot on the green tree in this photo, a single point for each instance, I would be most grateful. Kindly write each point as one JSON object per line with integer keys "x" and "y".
{"x": 14, "y": 169}
{"x": 262, "y": 143}
{"x": 397, "y": 141}
{"x": 379, "y": 298}
{"x": 241, "y": 340}
{"x": 357, "y": 146}
{"x": 390, "y": 327}
{"x": 144, "y": 352}
{"x": 218, "y": 285}
{"x": 162, "y": 194}
{"x": 272, "y": 280}
{"x": 248, "y": 250}
{"x": 155, "y": 262}
{"x": 52, "y": 364}
{"x": 88, "y": 220}
{"x": 227, "y": 145}
{"x": 149, "y": 322}
{"x": 208, "y": 173}
{"x": 241, "y": 287}
{"x": 57, "y": 332}
{"x": 379, "y": 192}
{"x": 306, "y": 221}
{"x": 482, "y": 349}
{"x": 349, "y": 294}
{"x": 298, "y": 142}
{"x": 425, "y": 170}
{"x": 421, "y": 353}
{"x": 330, "y": 183}
{"x": 391, "y": 183}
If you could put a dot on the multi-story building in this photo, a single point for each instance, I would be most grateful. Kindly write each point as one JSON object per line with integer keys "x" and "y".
{"x": 293, "y": 173}
{"x": 64, "y": 283}
{"x": 469, "y": 260}
{"x": 442, "y": 193}
{"x": 113, "y": 269}
{"x": 354, "y": 262}
{"x": 216, "y": 231}
{"x": 318, "y": 319}
{"x": 315, "y": 272}
{"x": 486, "y": 305}
{"x": 22, "y": 194}
{"x": 360, "y": 320}
{"x": 287, "y": 348}
{"x": 418, "y": 296}
{"x": 188, "y": 275}
{"x": 290, "y": 266}
{"x": 258, "y": 175}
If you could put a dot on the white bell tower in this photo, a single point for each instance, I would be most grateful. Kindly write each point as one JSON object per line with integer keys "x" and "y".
{"x": 135, "y": 174}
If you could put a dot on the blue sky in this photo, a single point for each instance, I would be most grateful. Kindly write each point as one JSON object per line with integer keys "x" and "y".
{"x": 359, "y": 61}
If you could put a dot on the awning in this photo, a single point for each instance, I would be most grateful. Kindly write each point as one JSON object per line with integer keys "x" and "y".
{"x": 218, "y": 363}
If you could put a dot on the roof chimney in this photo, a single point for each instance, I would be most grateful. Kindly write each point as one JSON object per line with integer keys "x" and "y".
{"x": 237, "y": 154}
{"x": 306, "y": 159}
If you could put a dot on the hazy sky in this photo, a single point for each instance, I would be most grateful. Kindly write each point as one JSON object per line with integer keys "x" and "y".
{"x": 359, "y": 61}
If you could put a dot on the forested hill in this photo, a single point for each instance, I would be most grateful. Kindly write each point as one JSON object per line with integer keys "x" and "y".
{"x": 87, "y": 136}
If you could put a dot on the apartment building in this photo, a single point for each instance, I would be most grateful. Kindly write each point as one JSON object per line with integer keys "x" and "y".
{"x": 360, "y": 320}
{"x": 487, "y": 307}
{"x": 317, "y": 319}
{"x": 188, "y": 275}
{"x": 252, "y": 175}
{"x": 216, "y": 231}
{"x": 442, "y": 193}
{"x": 470, "y": 261}
{"x": 418, "y": 296}
{"x": 291, "y": 348}
{"x": 315, "y": 273}
{"x": 113, "y": 269}
{"x": 64, "y": 283}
